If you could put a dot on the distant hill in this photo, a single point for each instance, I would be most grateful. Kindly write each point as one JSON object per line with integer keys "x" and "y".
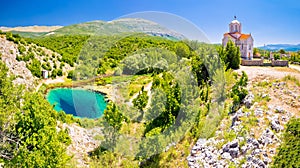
{"x": 286, "y": 47}
{"x": 126, "y": 25}
{"x": 34, "y": 29}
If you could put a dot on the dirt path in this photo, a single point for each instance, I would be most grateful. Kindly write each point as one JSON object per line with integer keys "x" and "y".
{"x": 274, "y": 72}
{"x": 50, "y": 81}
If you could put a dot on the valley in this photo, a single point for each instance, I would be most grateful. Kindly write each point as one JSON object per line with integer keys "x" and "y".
{"x": 166, "y": 101}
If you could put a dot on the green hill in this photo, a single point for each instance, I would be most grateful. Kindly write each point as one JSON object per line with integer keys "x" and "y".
{"x": 128, "y": 25}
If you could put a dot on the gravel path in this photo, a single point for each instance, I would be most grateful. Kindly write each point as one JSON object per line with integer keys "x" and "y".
{"x": 274, "y": 72}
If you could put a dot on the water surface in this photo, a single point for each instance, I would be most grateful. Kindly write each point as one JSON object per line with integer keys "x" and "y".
{"x": 78, "y": 102}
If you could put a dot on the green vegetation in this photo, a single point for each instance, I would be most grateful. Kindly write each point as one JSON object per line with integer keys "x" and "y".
{"x": 141, "y": 101}
{"x": 117, "y": 27}
{"x": 183, "y": 94}
{"x": 289, "y": 150}
{"x": 35, "y": 67}
{"x": 68, "y": 47}
{"x": 292, "y": 78}
{"x": 239, "y": 91}
{"x": 295, "y": 57}
{"x": 230, "y": 55}
{"x": 35, "y": 57}
{"x": 28, "y": 128}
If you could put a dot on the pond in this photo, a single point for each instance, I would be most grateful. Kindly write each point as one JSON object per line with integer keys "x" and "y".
{"x": 78, "y": 102}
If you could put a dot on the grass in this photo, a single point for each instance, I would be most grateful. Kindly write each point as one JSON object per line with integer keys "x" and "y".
{"x": 292, "y": 79}
{"x": 133, "y": 85}
{"x": 264, "y": 84}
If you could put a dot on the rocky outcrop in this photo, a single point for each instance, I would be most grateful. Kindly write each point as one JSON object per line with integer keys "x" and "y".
{"x": 245, "y": 150}
{"x": 83, "y": 141}
{"x": 9, "y": 52}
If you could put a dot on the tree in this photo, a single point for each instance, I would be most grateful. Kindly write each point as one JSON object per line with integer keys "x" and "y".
{"x": 113, "y": 116}
{"x": 40, "y": 145}
{"x": 141, "y": 101}
{"x": 35, "y": 67}
{"x": 182, "y": 50}
{"x": 70, "y": 74}
{"x": 231, "y": 56}
{"x": 255, "y": 51}
{"x": 9, "y": 105}
{"x": 282, "y": 51}
{"x": 28, "y": 135}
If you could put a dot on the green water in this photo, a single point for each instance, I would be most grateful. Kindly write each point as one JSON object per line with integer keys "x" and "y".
{"x": 78, "y": 102}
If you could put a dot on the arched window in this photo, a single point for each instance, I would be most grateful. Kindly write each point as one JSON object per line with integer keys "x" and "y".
{"x": 235, "y": 27}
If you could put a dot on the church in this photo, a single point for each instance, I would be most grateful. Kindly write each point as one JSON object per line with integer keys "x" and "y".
{"x": 243, "y": 41}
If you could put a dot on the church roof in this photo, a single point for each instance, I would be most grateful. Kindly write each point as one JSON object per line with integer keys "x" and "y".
{"x": 244, "y": 36}
{"x": 241, "y": 37}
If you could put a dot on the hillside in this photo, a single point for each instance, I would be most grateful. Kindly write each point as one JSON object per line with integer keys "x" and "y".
{"x": 127, "y": 25}
{"x": 27, "y": 60}
{"x": 121, "y": 26}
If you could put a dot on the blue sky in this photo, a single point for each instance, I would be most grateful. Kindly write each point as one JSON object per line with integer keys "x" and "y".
{"x": 269, "y": 21}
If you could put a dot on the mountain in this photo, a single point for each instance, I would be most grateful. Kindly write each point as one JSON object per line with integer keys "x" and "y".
{"x": 126, "y": 25}
{"x": 286, "y": 47}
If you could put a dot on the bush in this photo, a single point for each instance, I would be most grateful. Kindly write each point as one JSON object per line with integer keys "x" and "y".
{"x": 289, "y": 150}
{"x": 70, "y": 74}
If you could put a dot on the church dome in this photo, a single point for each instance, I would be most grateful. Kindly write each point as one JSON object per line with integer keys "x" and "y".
{"x": 235, "y": 21}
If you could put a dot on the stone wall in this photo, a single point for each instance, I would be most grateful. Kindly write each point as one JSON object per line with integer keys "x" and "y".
{"x": 253, "y": 62}
{"x": 280, "y": 63}
{"x": 261, "y": 63}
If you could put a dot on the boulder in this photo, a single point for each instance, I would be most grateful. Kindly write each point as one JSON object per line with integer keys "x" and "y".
{"x": 234, "y": 144}
{"x": 248, "y": 100}
{"x": 226, "y": 155}
{"x": 275, "y": 125}
{"x": 234, "y": 152}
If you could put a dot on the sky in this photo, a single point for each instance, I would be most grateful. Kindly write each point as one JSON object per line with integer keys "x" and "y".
{"x": 269, "y": 21}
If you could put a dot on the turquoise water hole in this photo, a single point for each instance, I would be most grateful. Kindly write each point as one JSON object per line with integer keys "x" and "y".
{"x": 78, "y": 102}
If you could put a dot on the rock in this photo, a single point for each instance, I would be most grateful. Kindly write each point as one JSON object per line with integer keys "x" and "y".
{"x": 234, "y": 152}
{"x": 275, "y": 125}
{"x": 272, "y": 151}
{"x": 256, "y": 152}
{"x": 261, "y": 164}
{"x": 255, "y": 144}
{"x": 226, "y": 155}
{"x": 234, "y": 144}
{"x": 264, "y": 95}
{"x": 249, "y": 158}
{"x": 282, "y": 83}
{"x": 244, "y": 149}
{"x": 225, "y": 148}
{"x": 258, "y": 112}
{"x": 279, "y": 109}
{"x": 267, "y": 160}
{"x": 248, "y": 100}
